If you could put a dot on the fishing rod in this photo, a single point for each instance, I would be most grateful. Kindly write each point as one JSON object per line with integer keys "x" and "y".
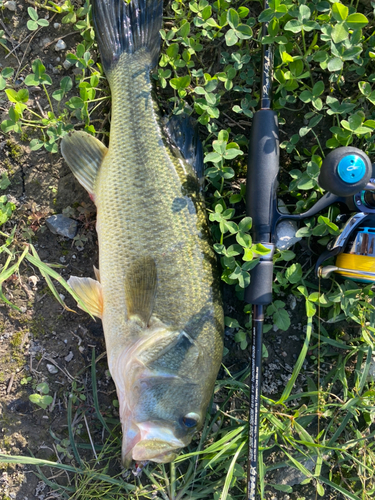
{"x": 349, "y": 179}
{"x": 263, "y": 167}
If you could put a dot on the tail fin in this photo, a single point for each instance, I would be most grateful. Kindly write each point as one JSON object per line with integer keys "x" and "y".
{"x": 127, "y": 27}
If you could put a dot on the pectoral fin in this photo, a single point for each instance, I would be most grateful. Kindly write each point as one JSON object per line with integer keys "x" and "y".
{"x": 140, "y": 289}
{"x": 84, "y": 155}
{"x": 90, "y": 292}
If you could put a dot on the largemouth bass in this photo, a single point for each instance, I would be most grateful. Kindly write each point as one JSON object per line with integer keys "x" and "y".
{"x": 157, "y": 292}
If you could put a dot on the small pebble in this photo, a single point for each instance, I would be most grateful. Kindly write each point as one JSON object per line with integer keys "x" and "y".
{"x": 33, "y": 280}
{"x": 62, "y": 259}
{"x": 67, "y": 64}
{"x": 52, "y": 368}
{"x": 56, "y": 25}
{"x": 58, "y": 59}
{"x": 62, "y": 297}
{"x": 214, "y": 408}
{"x": 69, "y": 357}
{"x": 10, "y": 5}
{"x": 215, "y": 427}
{"x": 23, "y": 309}
{"x": 44, "y": 42}
{"x": 292, "y": 301}
{"x": 59, "y": 224}
{"x": 55, "y": 71}
{"x": 61, "y": 45}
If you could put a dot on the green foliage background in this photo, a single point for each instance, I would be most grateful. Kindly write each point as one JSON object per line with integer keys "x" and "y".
{"x": 324, "y": 94}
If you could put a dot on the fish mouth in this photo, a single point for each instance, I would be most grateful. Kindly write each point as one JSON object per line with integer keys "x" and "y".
{"x": 154, "y": 442}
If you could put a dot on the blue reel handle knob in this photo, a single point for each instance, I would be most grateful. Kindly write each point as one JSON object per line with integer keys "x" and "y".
{"x": 345, "y": 171}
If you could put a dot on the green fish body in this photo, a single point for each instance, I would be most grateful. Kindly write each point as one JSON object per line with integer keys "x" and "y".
{"x": 158, "y": 292}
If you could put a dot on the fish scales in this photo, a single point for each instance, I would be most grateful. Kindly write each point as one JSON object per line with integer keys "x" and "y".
{"x": 136, "y": 187}
{"x": 158, "y": 296}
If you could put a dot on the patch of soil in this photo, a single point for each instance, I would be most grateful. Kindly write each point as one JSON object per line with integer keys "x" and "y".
{"x": 42, "y": 342}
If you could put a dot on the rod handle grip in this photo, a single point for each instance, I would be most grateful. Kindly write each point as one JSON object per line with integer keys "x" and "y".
{"x": 259, "y": 292}
{"x": 262, "y": 170}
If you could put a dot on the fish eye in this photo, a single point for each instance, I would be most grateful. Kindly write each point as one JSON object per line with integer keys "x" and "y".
{"x": 190, "y": 420}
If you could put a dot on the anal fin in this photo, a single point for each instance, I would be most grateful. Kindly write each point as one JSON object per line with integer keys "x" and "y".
{"x": 90, "y": 292}
{"x": 97, "y": 273}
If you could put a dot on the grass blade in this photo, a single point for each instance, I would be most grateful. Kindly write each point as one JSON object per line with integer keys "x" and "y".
{"x": 339, "y": 488}
{"x": 70, "y": 430}
{"x": 229, "y": 476}
{"x": 365, "y": 370}
{"x": 7, "y": 273}
{"x": 18, "y": 459}
{"x": 48, "y": 273}
{"x": 95, "y": 394}
{"x": 299, "y": 363}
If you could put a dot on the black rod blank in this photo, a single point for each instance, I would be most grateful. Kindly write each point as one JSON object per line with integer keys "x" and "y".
{"x": 255, "y": 390}
{"x": 267, "y": 66}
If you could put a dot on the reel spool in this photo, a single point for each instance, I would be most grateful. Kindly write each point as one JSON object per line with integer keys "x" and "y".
{"x": 354, "y": 249}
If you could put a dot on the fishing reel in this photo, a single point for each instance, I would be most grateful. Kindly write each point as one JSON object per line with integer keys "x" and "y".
{"x": 349, "y": 178}
{"x": 348, "y": 173}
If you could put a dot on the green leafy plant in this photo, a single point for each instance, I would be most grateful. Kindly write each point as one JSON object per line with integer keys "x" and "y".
{"x": 34, "y": 23}
{"x": 25, "y": 380}
{"x": 41, "y": 398}
{"x": 3, "y": 40}
{"x": 6, "y": 209}
{"x": 5, "y": 74}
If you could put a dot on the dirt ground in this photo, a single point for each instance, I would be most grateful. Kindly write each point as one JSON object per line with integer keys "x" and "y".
{"x": 44, "y": 342}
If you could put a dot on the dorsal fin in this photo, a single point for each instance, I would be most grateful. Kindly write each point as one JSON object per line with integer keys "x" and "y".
{"x": 140, "y": 289}
{"x": 84, "y": 155}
